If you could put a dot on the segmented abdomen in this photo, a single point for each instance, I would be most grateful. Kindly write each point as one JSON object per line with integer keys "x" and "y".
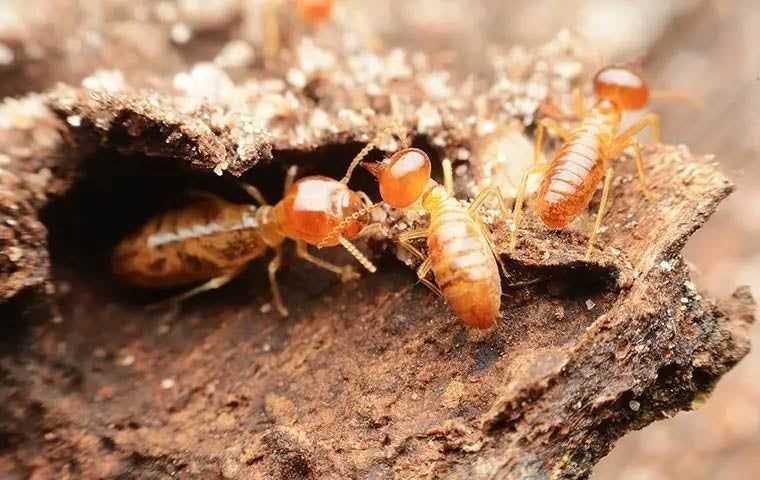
{"x": 572, "y": 178}
{"x": 201, "y": 241}
{"x": 464, "y": 265}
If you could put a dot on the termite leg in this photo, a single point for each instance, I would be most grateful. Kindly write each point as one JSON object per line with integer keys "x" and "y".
{"x": 600, "y": 212}
{"x": 579, "y": 103}
{"x": 640, "y": 169}
{"x": 422, "y": 273}
{"x": 290, "y": 177}
{"x": 272, "y": 268}
{"x": 679, "y": 96}
{"x": 624, "y": 139}
{"x": 448, "y": 176}
{"x": 213, "y": 284}
{"x": 345, "y": 273}
{"x": 271, "y": 29}
{"x": 405, "y": 241}
{"x": 255, "y": 193}
{"x": 473, "y": 209}
{"x": 491, "y": 245}
{"x": 484, "y": 195}
{"x": 517, "y": 213}
{"x": 552, "y": 126}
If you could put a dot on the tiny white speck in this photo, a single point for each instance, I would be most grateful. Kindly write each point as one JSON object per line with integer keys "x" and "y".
{"x": 266, "y": 308}
{"x": 6, "y": 55}
{"x": 415, "y": 396}
{"x": 167, "y": 383}
{"x": 74, "y": 120}
{"x": 684, "y": 300}
{"x": 127, "y": 361}
{"x": 266, "y": 347}
{"x": 589, "y": 304}
{"x": 181, "y": 33}
{"x": 634, "y": 405}
{"x": 666, "y": 265}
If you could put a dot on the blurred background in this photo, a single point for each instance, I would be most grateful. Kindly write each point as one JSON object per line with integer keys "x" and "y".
{"x": 706, "y": 47}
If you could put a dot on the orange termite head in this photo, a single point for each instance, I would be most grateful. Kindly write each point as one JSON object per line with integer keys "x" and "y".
{"x": 403, "y": 177}
{"x": 314, "y": 208}
{"x": 622, "y": 85}
{"x": 315, "y": 11}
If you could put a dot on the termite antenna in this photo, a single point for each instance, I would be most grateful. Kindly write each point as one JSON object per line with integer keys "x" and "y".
{"x": 359, "y": 256}
{"x": 395, "y": 128}
{"x": 336, "y": 232}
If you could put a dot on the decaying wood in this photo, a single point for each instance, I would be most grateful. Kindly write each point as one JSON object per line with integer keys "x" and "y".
{"x": 375, "y": 379}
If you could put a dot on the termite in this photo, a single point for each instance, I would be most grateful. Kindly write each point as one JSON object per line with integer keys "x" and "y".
{"x": 311, "y": 15}
{"x": 583, "y": 160}
{"x": 460, "y": 252}
{"x": 315, "y": 11}
{"x": 212, "y": 240}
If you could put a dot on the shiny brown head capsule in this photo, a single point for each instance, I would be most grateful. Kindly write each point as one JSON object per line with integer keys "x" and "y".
{"x": 405, "y": 177}
{"x": 315, "y": 206}
{"x": 621, "y": 85}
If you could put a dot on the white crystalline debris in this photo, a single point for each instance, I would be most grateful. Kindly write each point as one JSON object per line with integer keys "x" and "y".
{"x": 181, "y": 33}
{"x": 634, "y": 405}
{"x": 485, "y": 127}
{"x": 436, "y": 85}
{"x": 312, "y": 58}
{"x": 236, "y": 54}
{"x": 127, "y": 361}
{"x": 110, "y": 81}
{"x": 204, "y": 81}
{"x": 166, "y": 11}
{"x": 6, "y": 55}
{"x": 590, "y": 304}
{"x": 22, "y": 113}
{"x": 319, "y": 120}
{"x": 396, "y": 66}
{"x": 352, "y": 118}
{"x": 167, "y": 383}
{"x": 74, "y": 120}
{"x": 366, "y": 67}
{"x": 536, "y": 90}
{"x": 666, "y": 265}
{"x": 296, "y": 78}
{"x": 568, "y": 69}
{"x": 428, "y": 118}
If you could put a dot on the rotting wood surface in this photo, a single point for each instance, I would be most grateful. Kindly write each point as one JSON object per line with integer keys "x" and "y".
{"x": 375, "y": 379}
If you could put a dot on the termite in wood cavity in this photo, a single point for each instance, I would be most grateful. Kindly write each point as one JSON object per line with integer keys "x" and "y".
{"x": 211, "y": 240}
{"x": 584, "y": 158}
{"x": 460, "y": 252}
